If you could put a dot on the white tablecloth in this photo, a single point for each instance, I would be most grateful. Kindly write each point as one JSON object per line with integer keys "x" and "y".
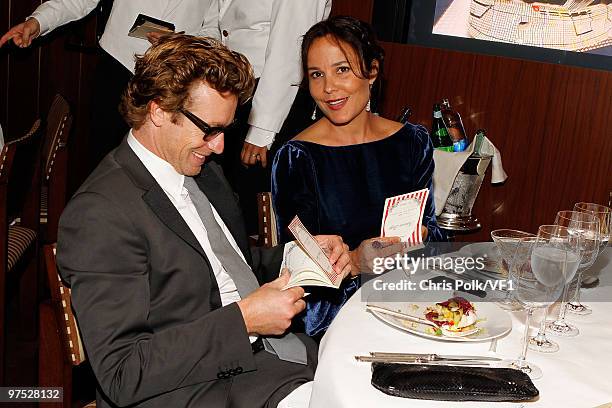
{"x": 578, "y": 375}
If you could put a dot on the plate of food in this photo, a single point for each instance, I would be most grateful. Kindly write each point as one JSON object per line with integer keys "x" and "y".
{"x": 455, "y": 319}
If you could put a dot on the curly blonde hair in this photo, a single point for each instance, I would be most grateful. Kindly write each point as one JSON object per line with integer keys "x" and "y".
{"x": 167, "y": 71}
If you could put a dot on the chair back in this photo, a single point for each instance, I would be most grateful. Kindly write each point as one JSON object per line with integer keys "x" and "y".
{"x": 61, "y": 302}
{"x": 59, "y": 123}
{"x": 19, "y": 185}
{"x": 19, "y": 203}
{"x": 61, "y": 359}
{"x": 267, "y": 220}
{"x": 20, "y": 178}
{"x": 55, "y": 158}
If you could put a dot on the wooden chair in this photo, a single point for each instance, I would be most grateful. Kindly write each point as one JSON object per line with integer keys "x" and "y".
{"x": 19, "y": 222}
{"x": 61, "y": 352}
{"x": 267, "y": 220}
{"x": 55, "y": 157}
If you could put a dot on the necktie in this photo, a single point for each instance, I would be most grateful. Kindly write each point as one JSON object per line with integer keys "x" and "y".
{"x": 288, "y": 347}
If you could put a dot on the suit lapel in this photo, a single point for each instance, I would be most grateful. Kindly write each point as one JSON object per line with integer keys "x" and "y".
{"x": 162, "y": 207}
{"x": 155, "y": 197}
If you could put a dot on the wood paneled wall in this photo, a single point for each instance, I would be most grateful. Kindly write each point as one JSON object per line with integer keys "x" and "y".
{"x": 552, "y": 124}
{"x": 19, "y": 70}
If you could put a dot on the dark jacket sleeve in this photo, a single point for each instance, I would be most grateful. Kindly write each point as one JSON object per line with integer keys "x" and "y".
{"x": 105, "y": 259}
{"x": 423, "y": 171}
{"x": 294, "y": 190}
{"x": 267, "y": 262}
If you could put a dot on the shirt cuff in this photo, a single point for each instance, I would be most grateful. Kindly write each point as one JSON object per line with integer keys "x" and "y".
{"x": 44, "y": 25}
{"x": 260, "y": 137}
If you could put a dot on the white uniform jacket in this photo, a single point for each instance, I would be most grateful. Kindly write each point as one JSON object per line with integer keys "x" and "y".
{"x": 269, "y": 33}
{"x": 186, "y": 15}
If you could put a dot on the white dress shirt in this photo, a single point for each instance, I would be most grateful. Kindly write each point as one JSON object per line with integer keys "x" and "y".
{"x": 269, "y": 33}
{"x": 186, "y": 15}
{"x": 172, "y": 183}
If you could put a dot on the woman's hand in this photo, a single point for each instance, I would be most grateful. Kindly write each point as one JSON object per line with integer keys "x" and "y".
{"x": 337, "y": 252}
{"x": 362, "y": 258}
{"x": 424, "y": 232}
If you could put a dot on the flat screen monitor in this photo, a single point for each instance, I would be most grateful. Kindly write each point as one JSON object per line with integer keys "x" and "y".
{"x": 573, "y": 32}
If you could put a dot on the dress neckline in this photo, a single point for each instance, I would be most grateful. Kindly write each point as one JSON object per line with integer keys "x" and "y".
{"x": 392, "y": 135}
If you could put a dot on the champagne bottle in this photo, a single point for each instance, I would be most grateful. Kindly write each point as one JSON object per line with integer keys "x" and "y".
{"x": 470, "y": 166}
{"x": 454, "y": 125}
{"x": 439, "y": 134}
{"x": 478, "y": 139}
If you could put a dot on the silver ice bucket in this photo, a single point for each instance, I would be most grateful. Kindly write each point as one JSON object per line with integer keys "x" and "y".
{"x": 457, "y": 212}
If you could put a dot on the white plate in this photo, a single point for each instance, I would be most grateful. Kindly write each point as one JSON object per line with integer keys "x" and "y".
{"x": 494, "y": 323}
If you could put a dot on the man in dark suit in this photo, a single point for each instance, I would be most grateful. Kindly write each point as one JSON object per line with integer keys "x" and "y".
{"x": 154, "y": 248}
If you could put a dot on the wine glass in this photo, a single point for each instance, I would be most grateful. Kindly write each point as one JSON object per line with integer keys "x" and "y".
{"x": 604, "y": 215}
{"x": 587, "y": 225}
{"x": 542, "y": 266}
{"x": 506, "y": 241}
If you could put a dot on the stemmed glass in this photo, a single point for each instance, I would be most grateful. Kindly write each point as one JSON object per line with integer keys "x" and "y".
{"x": 540, "y": 342}
{"x": 506, "y": 241}
{"x": 542, "y": 265}
{"x": 604, "y": 215}
{"x": 586, "y": 225}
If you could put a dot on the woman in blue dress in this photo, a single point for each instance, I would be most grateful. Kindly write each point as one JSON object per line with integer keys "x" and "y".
{"x": 337, "y": 173}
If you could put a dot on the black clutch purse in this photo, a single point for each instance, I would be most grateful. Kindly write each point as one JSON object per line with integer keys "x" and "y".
{"x": 452, "y": 383}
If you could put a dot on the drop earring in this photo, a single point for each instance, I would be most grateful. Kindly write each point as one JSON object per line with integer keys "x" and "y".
{"x": 368, "y": 106}
{"x": 314, "y": 113}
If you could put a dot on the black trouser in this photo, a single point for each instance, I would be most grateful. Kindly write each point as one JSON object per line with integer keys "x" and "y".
{"x": 247, "y": 182}
{"x": 107, "y": 125}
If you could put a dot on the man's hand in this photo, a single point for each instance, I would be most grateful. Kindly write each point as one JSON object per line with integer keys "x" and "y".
{"x": 337, "y": 252}
{"x": 362, "y": 258}
{"x": 269, "y": 309}
{"x": 252, "y": 154}
{"x": 22, "y": 34}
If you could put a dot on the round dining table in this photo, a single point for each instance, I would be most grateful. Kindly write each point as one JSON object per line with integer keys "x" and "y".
{"x": 578, "y": 375}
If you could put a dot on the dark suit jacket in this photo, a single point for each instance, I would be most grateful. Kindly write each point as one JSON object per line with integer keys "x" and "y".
{"x": 144, "y": 294}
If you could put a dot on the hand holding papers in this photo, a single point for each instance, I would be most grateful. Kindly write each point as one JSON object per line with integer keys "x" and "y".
{"x": 145, "y": 25}
{"x": 403, "y": 216}
{"x": 306, "y": 261}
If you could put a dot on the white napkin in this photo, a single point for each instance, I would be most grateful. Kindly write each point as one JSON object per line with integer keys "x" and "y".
{"x": 448, "y": 165}
{"x": 498, "y": 175}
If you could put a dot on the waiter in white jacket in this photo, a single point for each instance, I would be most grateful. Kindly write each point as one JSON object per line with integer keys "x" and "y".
{"x": 116, "y": 63}
{"x": 269, "y": 33}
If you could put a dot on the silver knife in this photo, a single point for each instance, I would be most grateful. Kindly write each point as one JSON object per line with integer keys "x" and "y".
{"x": 371, "y": 359}
{"x": 433, "y": 357}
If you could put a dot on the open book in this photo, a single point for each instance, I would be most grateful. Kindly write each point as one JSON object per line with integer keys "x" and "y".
{"x": 146, "y": 24}
{"x": 306, "y": 260}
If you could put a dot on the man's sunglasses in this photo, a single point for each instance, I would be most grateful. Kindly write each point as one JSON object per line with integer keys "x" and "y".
{"x": 210, "y": 132}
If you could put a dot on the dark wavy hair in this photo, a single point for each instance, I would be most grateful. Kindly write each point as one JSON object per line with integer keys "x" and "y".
{"x": 168, "y": 70}
{"x": 347, "y": 30}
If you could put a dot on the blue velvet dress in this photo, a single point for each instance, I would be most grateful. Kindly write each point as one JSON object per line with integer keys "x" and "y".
{"x": 341, "y": 190}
